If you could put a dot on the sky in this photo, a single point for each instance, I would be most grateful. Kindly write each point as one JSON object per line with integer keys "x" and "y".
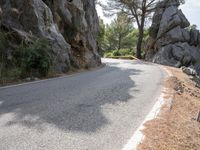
{"x": 191, "y": 9}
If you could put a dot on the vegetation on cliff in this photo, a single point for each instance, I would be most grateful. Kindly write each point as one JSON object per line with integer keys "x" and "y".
{"x": 39, "y": 37}
{"x": 25, "y": 59}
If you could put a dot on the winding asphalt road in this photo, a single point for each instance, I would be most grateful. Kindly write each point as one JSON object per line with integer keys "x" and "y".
{"x": 95, "y": 110}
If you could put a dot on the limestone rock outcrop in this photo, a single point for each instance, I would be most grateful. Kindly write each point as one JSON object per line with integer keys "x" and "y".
{"x": 71, "y": 26}
{"x": 172, "y": 42}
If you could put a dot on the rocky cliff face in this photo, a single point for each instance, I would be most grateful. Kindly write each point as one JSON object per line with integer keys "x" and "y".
{"x": 71, "y": 27}
{"x": 171, "y": 42}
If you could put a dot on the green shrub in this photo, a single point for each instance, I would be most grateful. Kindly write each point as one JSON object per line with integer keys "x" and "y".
{"x": 3, "y": 46}
{"x": 10, "y": 74}
{"x": 3, "y": 40}
{"x": 108, "y": 54}
{"x": 25, "y": 60}
{"x": 121, "y": 52}
{"x": 125, "y": 52}
{"x": 116, "y": 53}
{"x": 34, "y": 59}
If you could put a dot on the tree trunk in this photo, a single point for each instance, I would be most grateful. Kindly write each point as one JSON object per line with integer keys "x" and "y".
{"x": 119, "y": 42}
{"x": 139, "y": 43}
{"x": 140, "y": 37}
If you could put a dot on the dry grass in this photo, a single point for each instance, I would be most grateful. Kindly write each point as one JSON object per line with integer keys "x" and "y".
{"x": 175, "y": 128}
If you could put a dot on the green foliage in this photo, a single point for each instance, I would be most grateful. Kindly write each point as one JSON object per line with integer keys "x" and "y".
{"x": 116, "y": 53}
{"x": 26, "y": 60}
{"x": 34, "y": 59}
{"x": 126, "y": 52}
{"x": 3, "y": 46}
{"x": 102, "y": 28}
{"x": 3, "y": 41}
{"x": 120, "y": 35}
{"x": 101, "y": 36}
{"x": 117, "y": 35}
{"x": 108, "y": 54}
{"x": 121, "y": 52}
{"x": 3, "y": 55}
{"x": 10, "y": 74}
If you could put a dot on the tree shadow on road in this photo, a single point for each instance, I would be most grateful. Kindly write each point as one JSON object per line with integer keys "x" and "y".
{"x": 64, "y": 103}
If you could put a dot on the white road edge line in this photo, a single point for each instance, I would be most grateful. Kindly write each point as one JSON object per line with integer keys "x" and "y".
{"x": 138, "y": 136}
{"x": 34, "y": 82}
{"x": 50, "y": 79}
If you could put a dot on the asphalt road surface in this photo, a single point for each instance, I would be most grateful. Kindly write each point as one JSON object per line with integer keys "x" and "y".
{"x": 95, "y": 110}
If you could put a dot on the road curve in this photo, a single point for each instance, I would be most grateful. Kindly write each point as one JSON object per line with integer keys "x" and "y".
{"x": 96, "y": 110}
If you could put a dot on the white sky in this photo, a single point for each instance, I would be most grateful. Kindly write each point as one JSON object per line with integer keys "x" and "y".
{"x": 191, "y": 9}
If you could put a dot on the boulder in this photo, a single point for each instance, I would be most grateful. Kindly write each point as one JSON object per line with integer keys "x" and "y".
{"x": 171, "y": 18}
{"x": 189, "y": 71}
{"x": 193, "y": 73}
{"x": 173, "y": 43}
{"x": 197, "y": 80}
{"x": 174, "y": 35}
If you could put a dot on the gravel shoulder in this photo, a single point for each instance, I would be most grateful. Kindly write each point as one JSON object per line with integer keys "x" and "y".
{"x": 175, "y": 128}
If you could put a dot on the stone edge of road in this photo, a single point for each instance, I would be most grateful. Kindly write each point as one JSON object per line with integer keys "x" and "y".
{"x": 53, "y": 78}
{"x": 138, "y": 136}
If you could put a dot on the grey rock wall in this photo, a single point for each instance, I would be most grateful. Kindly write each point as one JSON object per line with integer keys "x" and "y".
{"x": 71, "y": 26}
{"x": 171, "y": 42}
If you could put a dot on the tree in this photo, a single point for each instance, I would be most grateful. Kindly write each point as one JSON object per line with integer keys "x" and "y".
{"x": 120, "y": 29}
{"x": 136, "y": 10}
{"x": 101, "y": 36}
{"x": 118, "y": 35}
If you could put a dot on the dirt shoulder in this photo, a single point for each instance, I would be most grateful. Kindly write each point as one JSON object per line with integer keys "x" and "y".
{"x": 175, "y": 128}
